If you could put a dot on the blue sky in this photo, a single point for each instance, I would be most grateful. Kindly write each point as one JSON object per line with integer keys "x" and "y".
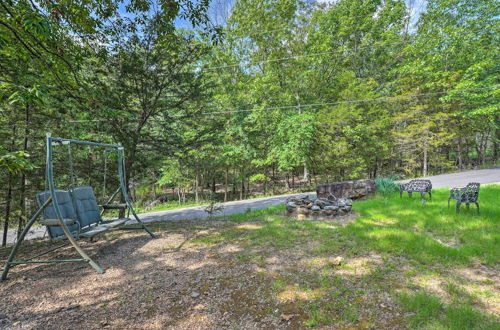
{"x": 220, "y": 8}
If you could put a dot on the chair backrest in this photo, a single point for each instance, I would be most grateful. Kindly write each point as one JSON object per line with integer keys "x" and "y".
{"x": 65, "y": 205}
{"x": 87, "y": 209}
{"x": 471, "y": 192}
{"x": 418, "y": 185}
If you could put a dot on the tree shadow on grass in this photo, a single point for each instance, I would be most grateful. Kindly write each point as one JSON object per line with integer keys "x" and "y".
{"x": 427, "y": 310}
{"x": 227, "y": 276}
{"x": 430, "y": 233}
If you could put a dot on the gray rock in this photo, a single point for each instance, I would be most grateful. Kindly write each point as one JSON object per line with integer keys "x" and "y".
{"x": 332, "y": 198}
{"x": 320, "y": 202}
{"x": 315, "y": 208}
{"x": 302, "y": 210}
{"x": 346, "y": 189}
{"x": 331, "y": 207}
{"x": 195, "y": 295}
{"x": 348, "y": 201}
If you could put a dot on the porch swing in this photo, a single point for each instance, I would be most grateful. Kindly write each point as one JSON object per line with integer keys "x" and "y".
{"x": 74, "y": 214}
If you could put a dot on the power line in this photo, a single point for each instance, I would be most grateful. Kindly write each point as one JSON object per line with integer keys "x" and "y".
{"x": 310, "y": 105}
{"x": 259, "y": 32}
{"x": 87, "y": 120}
{"x": 376, "y": 99}
{"x": 299, "y": 56}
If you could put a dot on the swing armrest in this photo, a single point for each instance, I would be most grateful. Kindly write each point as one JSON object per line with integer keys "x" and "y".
{"x": 55, "y": 222}
{"x": 113, "y": 206}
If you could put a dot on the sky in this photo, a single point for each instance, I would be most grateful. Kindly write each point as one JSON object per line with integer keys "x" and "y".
{"x": 220, "y": 10}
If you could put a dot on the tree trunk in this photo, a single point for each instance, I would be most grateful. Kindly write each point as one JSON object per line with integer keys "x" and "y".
{"x": 496, "y": 145}
{"x": 306, "y": 172}
{"x": 22, "y": 193}
{"x": 154, "y": 186}
{"x": 273, "y": 178}
{"x": 249, "y": 188}
{"x": 226, "y": 184}
{"x": 196, "y": 188}
{"x": 265, "y": 183}
{"x": 8, "y": 197}
{"x": 234, "y": 185}
{"x": 424, "y": 165}
{"x": 459, "y": 152}
{"x": 242, "y": 186}
{"x": 8, "y": 201}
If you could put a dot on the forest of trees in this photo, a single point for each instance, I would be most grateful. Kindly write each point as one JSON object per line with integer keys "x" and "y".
{"x": 235, "y": 98}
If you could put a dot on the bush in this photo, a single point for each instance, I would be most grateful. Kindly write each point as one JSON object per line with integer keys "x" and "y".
{"x": 387, "y": 185}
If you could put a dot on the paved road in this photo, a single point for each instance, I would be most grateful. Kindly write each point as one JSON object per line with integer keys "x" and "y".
{"x": 490, "y": 175}
{"x": 460, "y": 179}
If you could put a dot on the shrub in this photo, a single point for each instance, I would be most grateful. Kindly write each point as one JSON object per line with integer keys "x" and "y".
{"x": 387, "y": 185}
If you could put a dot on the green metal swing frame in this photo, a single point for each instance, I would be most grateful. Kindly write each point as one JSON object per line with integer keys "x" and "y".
{"x": 53, "y": 141}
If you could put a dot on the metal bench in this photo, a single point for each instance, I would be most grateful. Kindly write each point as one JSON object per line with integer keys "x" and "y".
{"x": 468, "y": 194}
{"x": 417, "y": 185}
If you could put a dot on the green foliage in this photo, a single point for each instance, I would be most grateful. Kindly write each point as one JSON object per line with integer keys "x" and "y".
{"x": 387, "y": 185}
{"x": 301, "y": 92}
{"x": 15, "y": 162}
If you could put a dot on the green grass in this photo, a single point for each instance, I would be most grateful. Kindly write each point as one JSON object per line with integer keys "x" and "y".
{"x": 431, "y": 233}
{"x": 429, "y": 312}
{"x": 169, "y": 206}
{"x": 413, "y": 241}
{"x": 426, "y": 234}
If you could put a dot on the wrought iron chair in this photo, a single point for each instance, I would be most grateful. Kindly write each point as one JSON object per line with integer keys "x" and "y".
{"x": 468, "y": 194}
{"x": 418, "y": 185}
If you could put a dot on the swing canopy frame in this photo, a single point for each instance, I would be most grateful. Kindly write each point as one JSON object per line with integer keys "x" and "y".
{"x": 51, "y": 200}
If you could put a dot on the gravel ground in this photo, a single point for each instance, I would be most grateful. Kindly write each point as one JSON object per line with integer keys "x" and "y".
{"x": 152, "y": 284}
{"x": 189, "y": 279}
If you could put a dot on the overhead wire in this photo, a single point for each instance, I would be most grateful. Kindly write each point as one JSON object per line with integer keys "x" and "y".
{"x": 376, "y": 99}
{"x": 309, "y": 105}
{"x": 298, "y": 56}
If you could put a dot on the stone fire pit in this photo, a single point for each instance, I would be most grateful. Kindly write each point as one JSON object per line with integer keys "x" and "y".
{"x": 304, "y": 208}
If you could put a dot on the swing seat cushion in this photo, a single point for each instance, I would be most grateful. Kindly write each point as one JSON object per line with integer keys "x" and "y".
{"x": 87, "y": 210}
{"x": 55, "y": 222}
{"x": 64, "y": 201}
{"x": 67, "y": 211}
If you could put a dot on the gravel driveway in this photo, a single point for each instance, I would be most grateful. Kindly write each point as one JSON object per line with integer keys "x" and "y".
{"x": 490, "y": 175}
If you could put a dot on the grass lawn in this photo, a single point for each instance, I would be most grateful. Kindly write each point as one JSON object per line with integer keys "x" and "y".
{"x": 172, "y": 205}
{"x": 433, "y": 268}
{"x": 403, "y": 265}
